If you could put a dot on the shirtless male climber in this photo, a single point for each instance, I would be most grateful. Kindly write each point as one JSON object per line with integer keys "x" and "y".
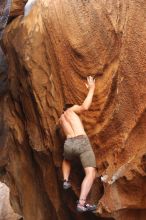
{"x": 77, "y": 145}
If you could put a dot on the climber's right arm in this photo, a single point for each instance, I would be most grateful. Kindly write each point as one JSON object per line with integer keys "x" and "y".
{"x": 88, "y": 100}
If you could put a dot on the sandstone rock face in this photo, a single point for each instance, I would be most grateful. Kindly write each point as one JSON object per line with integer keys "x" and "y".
{"x": 6, "y": 212}
{"x": 17, "y": 8}
{"x": 50, "y": 54}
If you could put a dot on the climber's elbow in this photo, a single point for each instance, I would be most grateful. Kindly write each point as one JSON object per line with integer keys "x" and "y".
{"x": 84, "y": 107}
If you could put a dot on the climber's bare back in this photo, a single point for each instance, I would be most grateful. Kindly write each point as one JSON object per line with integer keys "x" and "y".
{"x": 71, "y": 124}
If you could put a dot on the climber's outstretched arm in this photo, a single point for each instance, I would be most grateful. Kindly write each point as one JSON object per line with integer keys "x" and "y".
{"x": 88, "y": 100}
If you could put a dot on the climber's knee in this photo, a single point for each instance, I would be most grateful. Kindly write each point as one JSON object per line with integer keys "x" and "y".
{"x": 90, "y": 172}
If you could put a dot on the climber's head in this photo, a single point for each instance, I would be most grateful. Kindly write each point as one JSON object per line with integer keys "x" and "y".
{"x": 66, "y": 106}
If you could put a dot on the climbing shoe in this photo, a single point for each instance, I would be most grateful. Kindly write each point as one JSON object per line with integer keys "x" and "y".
{"x": 66, "y": 184}
{"x": 86, "y": 207}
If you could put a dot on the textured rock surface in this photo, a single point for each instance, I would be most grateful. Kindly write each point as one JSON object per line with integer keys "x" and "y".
{"x": 17, "y": 7}
{"x": 49, "y": 60}
{"x": 6, "y": 212}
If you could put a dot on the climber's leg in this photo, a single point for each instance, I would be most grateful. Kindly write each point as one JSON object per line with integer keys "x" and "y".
{"x": 90, "y": 175}
{"x": 89, "y": 163}
{"x": 66, "y": 168}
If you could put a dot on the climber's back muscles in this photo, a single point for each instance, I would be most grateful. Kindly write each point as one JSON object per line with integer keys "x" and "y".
{"x": 71, "y": 124}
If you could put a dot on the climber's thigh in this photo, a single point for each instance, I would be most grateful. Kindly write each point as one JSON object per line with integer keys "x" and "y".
{"x": 68, "y": 149}
{"x": 88, "y": 159}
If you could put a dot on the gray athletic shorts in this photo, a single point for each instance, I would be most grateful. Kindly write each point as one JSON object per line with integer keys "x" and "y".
{"x": 80, "y": 146}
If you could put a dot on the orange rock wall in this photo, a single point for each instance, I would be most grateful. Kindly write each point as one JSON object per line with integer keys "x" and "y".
{"x": 50, "y": 54}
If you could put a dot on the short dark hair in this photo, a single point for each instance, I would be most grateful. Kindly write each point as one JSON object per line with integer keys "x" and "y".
{"x": 66, "y": 106}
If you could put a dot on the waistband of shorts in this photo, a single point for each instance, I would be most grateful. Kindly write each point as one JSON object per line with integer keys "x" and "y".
{"x": 77, "y": 137}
